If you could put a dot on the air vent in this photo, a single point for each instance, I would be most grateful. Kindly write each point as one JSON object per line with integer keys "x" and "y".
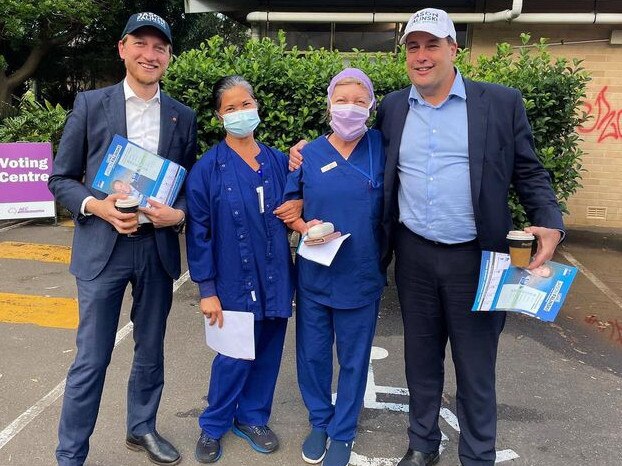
{"x": 599, "y": 213}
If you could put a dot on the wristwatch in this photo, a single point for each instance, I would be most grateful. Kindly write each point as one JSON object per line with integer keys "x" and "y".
{"x": 179, "y": 227}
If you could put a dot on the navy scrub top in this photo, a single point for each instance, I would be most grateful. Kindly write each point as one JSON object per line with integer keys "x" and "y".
{"x": 349, "y": 194}
{"x": 234, "y": 251}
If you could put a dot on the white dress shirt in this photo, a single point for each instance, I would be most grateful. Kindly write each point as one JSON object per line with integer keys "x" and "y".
{"x": 142, "y": 119}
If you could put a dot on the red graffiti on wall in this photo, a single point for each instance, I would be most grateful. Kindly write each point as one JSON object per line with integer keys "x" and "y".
{"x": 606, "y": 119}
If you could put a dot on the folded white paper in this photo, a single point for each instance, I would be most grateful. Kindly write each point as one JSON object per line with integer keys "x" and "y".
{"x": 236, "y": 337}
{"x": 321, "y": 253}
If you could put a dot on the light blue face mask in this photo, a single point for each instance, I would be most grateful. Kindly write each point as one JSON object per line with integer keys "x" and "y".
{"x": 241, "y": 123}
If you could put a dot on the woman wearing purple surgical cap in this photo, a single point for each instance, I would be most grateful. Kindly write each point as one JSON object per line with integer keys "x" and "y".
{"x": 341, "y": 182}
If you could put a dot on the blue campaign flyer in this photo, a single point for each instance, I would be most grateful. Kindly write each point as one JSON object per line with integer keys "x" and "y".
{"x": 539, "y": 293}
{"x": 129, "y": 169}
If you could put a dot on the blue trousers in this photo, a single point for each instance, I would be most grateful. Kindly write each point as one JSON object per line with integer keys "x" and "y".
{"x": 436, "y": 285}
{"x": 241, "y": 389}
{"x": 317, "y": 328}
{"x": 136, "y": 261}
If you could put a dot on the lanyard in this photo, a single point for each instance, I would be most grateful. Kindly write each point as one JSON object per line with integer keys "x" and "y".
{"x": 370, "y": 175}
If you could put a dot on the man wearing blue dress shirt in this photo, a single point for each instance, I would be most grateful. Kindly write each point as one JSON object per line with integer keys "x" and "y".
{"x": 453, "y": 149}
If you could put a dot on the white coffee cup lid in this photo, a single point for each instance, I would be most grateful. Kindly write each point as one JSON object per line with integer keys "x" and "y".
{"x": 520, "y": 235}
{"x": 129, "y": 201}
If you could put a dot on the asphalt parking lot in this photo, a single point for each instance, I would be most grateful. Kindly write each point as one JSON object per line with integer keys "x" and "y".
{"x": 559, "y": 385}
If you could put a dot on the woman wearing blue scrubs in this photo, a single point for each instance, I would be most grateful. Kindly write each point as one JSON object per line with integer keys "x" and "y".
{"x": 340, "y": 181}
{"x": 239, "y": 255}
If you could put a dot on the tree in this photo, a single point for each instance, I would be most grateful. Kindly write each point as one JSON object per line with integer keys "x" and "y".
{"x": 91, "y": 60}
{"x": 29, "y": 29}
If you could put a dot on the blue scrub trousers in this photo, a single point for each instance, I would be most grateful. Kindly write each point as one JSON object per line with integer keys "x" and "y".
{"x": 241, "y": 389}
{"x": 134, "y": 260}
{"x": 317, "y": 327}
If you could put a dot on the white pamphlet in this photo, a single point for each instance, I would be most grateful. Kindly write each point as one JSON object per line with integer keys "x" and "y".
{"x": 321, "y": 253}
{"x": 236, "y": 337}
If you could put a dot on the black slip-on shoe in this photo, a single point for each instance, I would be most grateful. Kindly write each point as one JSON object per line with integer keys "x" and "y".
{"x": 159, "y": 450}
{"x": 418, "y": 458}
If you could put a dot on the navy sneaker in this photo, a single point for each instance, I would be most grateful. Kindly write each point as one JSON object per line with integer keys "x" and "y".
{"x": 338, "y": 453}
{"x": 314, "y": 446}
{"x": 208, "y": 449}
{"x": 261, "y": 438}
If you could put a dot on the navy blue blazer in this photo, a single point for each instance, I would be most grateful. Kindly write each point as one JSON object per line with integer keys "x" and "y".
{"x": 96, "y": 117}
{"x": 501, "y": 153}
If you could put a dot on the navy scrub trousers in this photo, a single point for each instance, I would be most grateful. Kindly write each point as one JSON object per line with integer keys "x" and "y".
{"x": 339, "y": 304}
{"x": 317, "y": 327}
{"x": 243, "y": 389}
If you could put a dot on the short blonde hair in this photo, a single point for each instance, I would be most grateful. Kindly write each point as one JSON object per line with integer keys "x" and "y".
{"x": 344, "y": 81}
{"x": 170, "y": 46}
{"x": 352, "y": 80}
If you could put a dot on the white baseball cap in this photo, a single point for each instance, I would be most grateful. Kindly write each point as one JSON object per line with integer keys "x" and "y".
{"x": 436, "y": 22}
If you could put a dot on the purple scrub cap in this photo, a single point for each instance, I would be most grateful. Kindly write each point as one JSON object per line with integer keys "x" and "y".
{"x": 356, "y": 74}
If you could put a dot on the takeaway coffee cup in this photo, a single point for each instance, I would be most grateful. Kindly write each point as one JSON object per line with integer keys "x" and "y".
{"x": 129, "y": 205}
{"x": 520, "y": 247}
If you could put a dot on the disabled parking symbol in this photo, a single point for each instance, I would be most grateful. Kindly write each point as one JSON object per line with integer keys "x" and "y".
{"x": 371, "y": 402}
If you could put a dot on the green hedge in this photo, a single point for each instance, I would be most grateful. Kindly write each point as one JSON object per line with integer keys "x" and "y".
{"x": 553, "y": 90}
{"x": 35, "y": 122}
{"x": 291, "y": 89}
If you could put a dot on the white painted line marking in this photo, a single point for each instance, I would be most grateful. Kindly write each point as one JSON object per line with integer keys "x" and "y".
{"x": 370, "y": 402}
{"x": 181, "y": 280}
{"x": 506, "y": 455}
{"x": 17, "y": 225}
{"x": 362, "y": 460}
{"x": 35, "y": 410}
{"x": 450, "y": 418}
{"x": 593, "y": 278}
{"x": 30, "y": 414}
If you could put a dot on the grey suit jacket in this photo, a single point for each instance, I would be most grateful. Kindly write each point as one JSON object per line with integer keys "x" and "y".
{"x": 96, "y": 117}
{"x": 501, "y": 153}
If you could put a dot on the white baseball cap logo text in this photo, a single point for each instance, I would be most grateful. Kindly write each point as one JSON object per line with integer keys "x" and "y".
{"x": 153, "y": 18}
{"x": 426, "y": 17}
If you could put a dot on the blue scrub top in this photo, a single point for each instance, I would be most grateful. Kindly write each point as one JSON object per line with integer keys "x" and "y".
{"x": 349, "y": 194}
{"x": 234, "y": 251}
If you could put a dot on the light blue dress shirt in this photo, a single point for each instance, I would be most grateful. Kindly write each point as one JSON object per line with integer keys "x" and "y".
{"x": 434, "y": 194}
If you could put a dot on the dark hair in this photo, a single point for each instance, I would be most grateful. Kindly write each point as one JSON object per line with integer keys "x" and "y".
{"x": 226, "y": 83}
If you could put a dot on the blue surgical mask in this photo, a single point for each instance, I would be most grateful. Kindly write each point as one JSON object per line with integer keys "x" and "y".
{"x": 241, "y": 123}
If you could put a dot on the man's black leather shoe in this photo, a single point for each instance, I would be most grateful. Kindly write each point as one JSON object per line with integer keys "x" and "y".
{"x": 158, "y": 449}
{"x": 418, "y": 458}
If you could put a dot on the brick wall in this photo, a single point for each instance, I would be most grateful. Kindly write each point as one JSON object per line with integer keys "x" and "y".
{"x": 602, "y": 179}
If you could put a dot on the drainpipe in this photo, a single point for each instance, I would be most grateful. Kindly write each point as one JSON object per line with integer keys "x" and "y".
{"x": 505, "y": 15}
{"x": 513, "y": 15}
{"x": 570, "y": 18}
{"x": 319, "y": 17}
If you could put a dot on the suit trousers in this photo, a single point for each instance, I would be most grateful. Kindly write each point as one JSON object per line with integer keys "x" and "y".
{"x": 134, "y": 260}
{"x": 241, "y": 389}
{"x": 317, "y": 328}
{"x": 436, "y": 286}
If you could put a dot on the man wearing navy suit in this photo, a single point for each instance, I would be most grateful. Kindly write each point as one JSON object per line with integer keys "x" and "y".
{"x": 112, "y": 249}
{"x": 453, "y": 149}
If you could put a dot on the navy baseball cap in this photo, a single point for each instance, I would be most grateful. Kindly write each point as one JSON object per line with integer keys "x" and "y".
{"x": 146, "y": 19}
